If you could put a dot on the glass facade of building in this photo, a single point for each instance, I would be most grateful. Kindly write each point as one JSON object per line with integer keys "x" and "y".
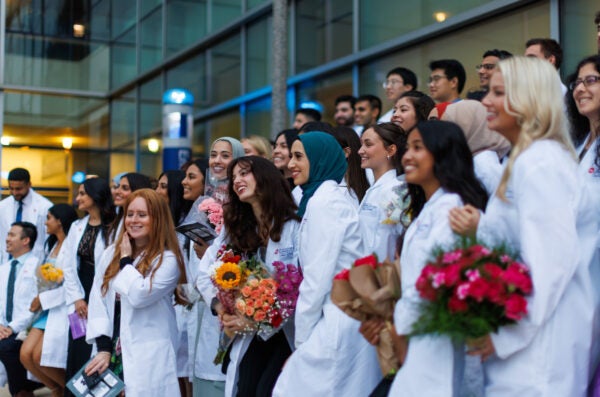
{"x": 93, "y": 71}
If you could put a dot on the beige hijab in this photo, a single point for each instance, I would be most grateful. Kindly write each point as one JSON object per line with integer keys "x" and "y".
{"x": 471, "y": 116}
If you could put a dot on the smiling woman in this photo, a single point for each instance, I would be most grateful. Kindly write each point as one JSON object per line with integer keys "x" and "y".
{"x": 131, "y": 300}
{"x": 260, "y": 222}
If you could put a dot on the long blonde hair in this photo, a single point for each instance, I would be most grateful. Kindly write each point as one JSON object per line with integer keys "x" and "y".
{"x": 162, "y": 238}
{"x": 534, "y": 97}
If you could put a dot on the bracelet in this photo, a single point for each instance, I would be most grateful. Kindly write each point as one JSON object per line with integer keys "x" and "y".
{"x": 125, "y": 260}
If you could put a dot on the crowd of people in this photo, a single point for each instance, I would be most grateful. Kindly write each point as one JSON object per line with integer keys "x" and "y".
{"x": 516, "y": 163}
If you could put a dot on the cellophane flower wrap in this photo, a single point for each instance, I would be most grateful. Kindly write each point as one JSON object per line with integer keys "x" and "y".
{"x": 245, "y": 286}
{"x": 49, "y": 277}
{"x": 214, "y": 212}
{"x": 395, "y": 209}
{"x": 370, "y": 289}
{"x": 472, "y": 290}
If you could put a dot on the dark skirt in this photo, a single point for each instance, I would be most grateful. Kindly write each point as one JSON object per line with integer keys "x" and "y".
{"x": 261, "y": 365}
{"x": 79, "y": 351}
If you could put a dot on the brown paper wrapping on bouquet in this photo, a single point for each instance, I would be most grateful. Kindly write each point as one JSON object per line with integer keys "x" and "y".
{"x": 371, "y": 293}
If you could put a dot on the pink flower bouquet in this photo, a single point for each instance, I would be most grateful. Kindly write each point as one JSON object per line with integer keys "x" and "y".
{"x": 471, "y": 291}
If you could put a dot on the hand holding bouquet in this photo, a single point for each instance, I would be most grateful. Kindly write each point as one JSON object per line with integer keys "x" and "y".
{"x": 471, "y": 291}
{"x": 370, "y": 290}
{"x": 49, "y": 277}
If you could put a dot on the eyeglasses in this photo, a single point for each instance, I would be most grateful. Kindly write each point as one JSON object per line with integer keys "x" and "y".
{"x": 486, "y": 66}
{"x": 587, "y": 81}
{"x": 390, "y": 83}
{"x": 436, "y": 78}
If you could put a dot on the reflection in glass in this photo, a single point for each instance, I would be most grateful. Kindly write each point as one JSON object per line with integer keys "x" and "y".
{"x": 226, "y": 69}
{"x": 186, "y": 23}
{"x": 259, "y": 55}
{"x": 151, "y": 40}
{"x": 325, "y": 32}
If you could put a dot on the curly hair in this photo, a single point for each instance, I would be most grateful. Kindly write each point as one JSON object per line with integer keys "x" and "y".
{"x": 244, "y": 231}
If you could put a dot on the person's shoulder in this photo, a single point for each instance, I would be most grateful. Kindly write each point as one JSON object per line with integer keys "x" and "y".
{"x": 545, "y": 154}
{"x": 39, "y": 198}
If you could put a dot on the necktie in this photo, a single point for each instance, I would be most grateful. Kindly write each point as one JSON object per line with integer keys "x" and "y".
{"x": 10, "y": 290}
{"x": 19, "y": 212}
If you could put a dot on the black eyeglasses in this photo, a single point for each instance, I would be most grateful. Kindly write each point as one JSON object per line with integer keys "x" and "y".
{"x": 587, "y": 81}
{"x": 486, "y": 66}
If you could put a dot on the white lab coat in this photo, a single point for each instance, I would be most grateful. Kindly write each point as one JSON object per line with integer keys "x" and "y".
{"x": 56, "y": 332}
{"x": 61, "y": 300}
{"x": 24, "y": 292}
{"x": 286, "y": 251}
{"x": 35, "y": 209}
{"x": 488, "y": 170}
{"x": 433, "y": 363}
{"x": 590, "y": 174}
{"x": 549, "y": 221}
{"x": 332, "y": 358}
{"x": 202, "y": 345}
{"x": 350, "y": 194}
{"x": 380, "y": 238}
{"x": 148, "y": 331}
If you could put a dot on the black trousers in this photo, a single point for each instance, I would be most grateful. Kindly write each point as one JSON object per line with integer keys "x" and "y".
{"x": 261, "y": 365}
{"x": 15, "y": 371}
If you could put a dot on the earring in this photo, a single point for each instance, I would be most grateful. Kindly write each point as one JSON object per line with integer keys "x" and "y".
{"x": 388, "y": 156}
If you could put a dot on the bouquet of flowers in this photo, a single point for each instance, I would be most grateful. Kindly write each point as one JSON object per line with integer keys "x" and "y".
{"x": 267, "y": 301}
{"x": 214, "y": 212}
{"x": 370, "y": 289}
{"x": 246, "y": 287}
{"x": 49, "y": 277}
{"x": 471, "y": 291}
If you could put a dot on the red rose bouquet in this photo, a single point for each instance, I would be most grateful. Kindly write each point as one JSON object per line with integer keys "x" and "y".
{"x": 471, "y": 291}
{"x": 370, "y": 289}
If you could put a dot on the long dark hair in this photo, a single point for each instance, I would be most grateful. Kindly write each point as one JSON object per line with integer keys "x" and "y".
{"x": 99, "y": 191}
{"x": 453, "y": 166}
{"x": 580, "y": 125}
{"x": 66, "y": 214}
{"x": 355, "y": 175}
{"x": 245, "y": 232}
{"x": 136, "y": 181}
{"x": 178, "y": 206}
{"x": 391, "y": 134}
{"x": 422, "y": 103}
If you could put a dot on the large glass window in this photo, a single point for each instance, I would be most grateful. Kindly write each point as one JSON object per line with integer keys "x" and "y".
{"x": 323, "y": 32}
{"x": 381, "y": 20}
{"x": 258, "y": 117}
{"x": 51, "y": 43}
{"x": 224, "y": 12}
{"x": 52, "y": 136}
{"x": 259, "y": 55}
{"x": 324, "y": 90}
{"x": 226, "y": 124}
{"x": 578, "y": 32}
{"x": 226, "y": 70}
{"x": 123, "y": 124}
{"x": 190, "y": 75}
{"x": 150, "y": 126}
{"x": 123, "y": 59}
{"x": 186, "y": 23}
{"x": 151, "y": 40}
{"x": 509, "y": 32}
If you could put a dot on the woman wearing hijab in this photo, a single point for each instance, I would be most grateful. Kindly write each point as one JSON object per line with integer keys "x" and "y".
{"x": 487, "y": 147}
{"x": 222, "y": 152}
{"x": 331, "y": 357}
{"x": 208, "y": 379}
